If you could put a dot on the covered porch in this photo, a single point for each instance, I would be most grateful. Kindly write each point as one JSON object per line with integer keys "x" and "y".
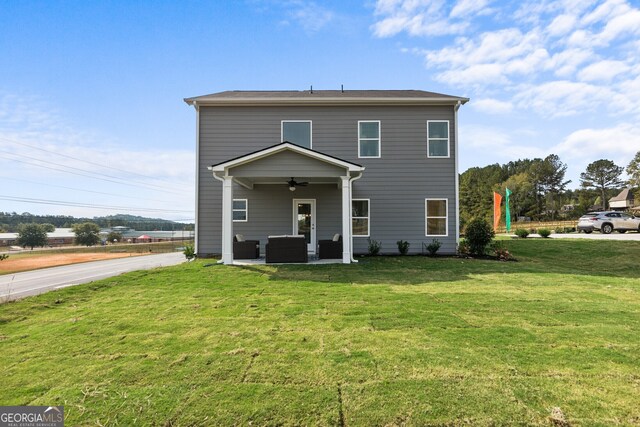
{"x": 287, "y": 190}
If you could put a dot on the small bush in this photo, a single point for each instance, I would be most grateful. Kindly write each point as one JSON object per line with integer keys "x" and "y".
{"x": 189, "y": 252}
{"x": 501, "y": 252}
{"x": 373, "y": 247}
{"x": 463, "y": 249}
{"x": 521, "y": 232}
{"x": 403, "y": 246}
{"x": 478, "y": 235}
{"x": 433, "y": 247}
{"x": 560, "y": 230}
{"x": 544, "y": 232}
{"x": 569, "y": 229}
{"x": 3, "y": 257}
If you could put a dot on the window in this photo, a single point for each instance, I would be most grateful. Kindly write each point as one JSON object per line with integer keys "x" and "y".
{"x": 436, "y": 217}
{"x": 438, "y": 138}
{"x": 297, "y": 132}
{"x": 360, "y": 217}
{"x": 369, "y": 138}
{"x": 240, "y": 210}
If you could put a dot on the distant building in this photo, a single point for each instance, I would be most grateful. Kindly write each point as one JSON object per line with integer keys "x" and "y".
{"x": 622, "y": 201}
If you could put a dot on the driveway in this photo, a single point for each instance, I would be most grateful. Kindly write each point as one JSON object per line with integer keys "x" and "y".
{"x": 628, "y": 236}
{"x": 20, "y": 285}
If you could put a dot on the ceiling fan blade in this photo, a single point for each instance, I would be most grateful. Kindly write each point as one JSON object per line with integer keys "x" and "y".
{"x": 302, "y": 184}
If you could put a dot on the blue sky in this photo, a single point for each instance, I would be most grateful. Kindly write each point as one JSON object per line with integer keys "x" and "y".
{"x": 91, "y": 110}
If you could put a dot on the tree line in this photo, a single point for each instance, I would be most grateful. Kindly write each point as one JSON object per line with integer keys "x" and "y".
{"x": 539, "y": 188}
{"x": 11, "y": 221}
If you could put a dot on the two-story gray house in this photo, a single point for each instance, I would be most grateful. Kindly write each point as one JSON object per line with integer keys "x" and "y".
{"x": 348, "y": 165}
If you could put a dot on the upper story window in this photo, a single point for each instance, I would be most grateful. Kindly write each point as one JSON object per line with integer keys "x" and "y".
{"x": 369, "y": 138}
{"x": 297, "y": 132}
{"x": 438, "y": 138}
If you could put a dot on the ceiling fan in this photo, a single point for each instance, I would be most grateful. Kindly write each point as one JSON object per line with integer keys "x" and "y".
{"x": 293, "y": 184}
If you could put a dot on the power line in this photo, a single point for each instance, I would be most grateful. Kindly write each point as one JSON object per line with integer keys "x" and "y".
{"x": 84, "y": 160}
{"x": 87, "y": 205}
{"x": 80, "y": 189}
{"x": 83, "y": 174}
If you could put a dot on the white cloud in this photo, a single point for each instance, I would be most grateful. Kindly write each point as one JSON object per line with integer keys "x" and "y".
{"x": 565, "y": 98}
{"x": 492, "y": 59}
{"x": 310, "y": 16}
{"x": 492, "y": 106}
{"x": 602, "y": 70}
{"x": 38, "y": 144}
{"x": 416, "y": 18}
{"x": 478, "y": 138}
{"x": 618, "y": 144}
{"x": 561, "y": 25}
{"x": 469, "y": 7}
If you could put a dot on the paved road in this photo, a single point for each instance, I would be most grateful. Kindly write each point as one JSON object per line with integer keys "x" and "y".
{"x": 20, "y": 285}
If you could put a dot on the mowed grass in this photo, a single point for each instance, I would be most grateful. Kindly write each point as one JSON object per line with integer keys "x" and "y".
{"x": 389, "y": 341}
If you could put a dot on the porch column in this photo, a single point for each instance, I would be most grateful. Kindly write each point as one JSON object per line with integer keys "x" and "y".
{"x": 346, "y": 220}
{"x": 227, "y": 220}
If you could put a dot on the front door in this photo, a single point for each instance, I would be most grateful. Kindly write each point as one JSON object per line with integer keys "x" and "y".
{"x": 304, "y": 221}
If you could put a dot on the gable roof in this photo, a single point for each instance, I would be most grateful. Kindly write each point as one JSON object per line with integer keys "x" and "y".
{"x": 285, "y": 146}
{"x": 326, "y": 97}
{"x": 624, "y": 195}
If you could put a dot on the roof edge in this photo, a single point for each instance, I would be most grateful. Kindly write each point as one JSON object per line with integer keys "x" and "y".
{"x": 246, "y": 102}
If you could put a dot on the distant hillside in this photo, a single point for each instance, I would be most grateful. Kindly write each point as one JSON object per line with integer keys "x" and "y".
{"x": 9, "y": 222}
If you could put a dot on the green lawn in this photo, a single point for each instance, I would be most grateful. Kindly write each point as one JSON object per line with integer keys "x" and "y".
{"x": 389, "y": 341}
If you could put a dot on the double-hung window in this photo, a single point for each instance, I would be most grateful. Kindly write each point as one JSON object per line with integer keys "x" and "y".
{"x": 297, "y": 132}
{"x": 369, "y": 138}
{"x": 436, "y": 220}
{"x": 240, "y": 210}
{"x": 360, "y": 217}
{"x": 438, "y": 138}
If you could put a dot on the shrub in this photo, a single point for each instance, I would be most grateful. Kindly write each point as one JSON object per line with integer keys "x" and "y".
{"x": 3, "y": 257}
{"x": 403, "y": 246}
{"x": 544, "y": 232}
{"x": 433, "y": 247}
{"x": 478, "y": 235}
{"x": 560, "y": 230}
{"x": 189, "y": 252}
{"x": 373, "y": 247}
{"x": 521, "y": 232}
{"x": 463, "y": 249}
{"x": 501, "y": 252}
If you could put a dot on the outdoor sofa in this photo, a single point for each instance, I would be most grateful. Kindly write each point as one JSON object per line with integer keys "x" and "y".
{"x": 286, "y": 249}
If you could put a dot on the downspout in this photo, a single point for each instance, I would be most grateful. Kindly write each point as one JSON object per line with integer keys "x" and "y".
{"x": 351, "y": 222}
{"x": 196, "y": 219}
{"x": 457, "y": 178}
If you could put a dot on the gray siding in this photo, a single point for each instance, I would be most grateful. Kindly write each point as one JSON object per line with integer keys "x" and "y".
{"x": 291, "y": 164}
{"x": 397, "y": 183}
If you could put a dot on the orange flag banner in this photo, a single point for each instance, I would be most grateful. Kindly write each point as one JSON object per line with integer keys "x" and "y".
{"x": 497, "y": 201}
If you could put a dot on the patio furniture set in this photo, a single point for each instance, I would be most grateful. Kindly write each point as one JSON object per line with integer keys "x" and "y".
{"x": 280, "y": 249}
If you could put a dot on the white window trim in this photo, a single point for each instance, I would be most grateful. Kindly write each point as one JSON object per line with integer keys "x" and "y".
{"x": 448, "y": 139}
{"x": 362, "y": 217}
{"x": 282, "y": 122}
{"x": 446, "y": 218}
{"x": 379, "y": 139}
{"x": 245, "y": 210}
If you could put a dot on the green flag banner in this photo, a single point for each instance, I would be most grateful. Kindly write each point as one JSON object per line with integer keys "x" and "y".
{"x": 508, "y": 211}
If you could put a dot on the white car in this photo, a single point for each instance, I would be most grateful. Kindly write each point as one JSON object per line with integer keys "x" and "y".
{"x": 606, "y": 222}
